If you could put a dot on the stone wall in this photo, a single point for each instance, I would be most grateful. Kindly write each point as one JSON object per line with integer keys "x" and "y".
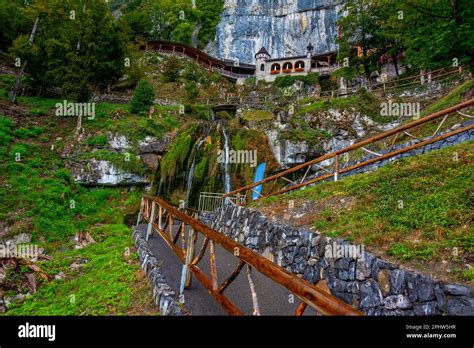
{"x": 163, "y": 295}
{"x": 366, "y": 281}
{"x": 116, "y": 98}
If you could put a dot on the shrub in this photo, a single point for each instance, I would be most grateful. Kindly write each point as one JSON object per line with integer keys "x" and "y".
{"x": 200, "y": 112}
{"x": 284, "y": 81}
{"x": 171, "y": 69}
{"x": 191, "y": 90}
{"x": 142, "y": 97}
{"x": 98, "y": 140}
{"x": 287, "y": 81}
{"x": 327, "y": 85}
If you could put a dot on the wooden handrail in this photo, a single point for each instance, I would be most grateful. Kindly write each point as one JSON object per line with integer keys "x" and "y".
{"x": 354, "y": 146}
{"x": 322, "y": 301}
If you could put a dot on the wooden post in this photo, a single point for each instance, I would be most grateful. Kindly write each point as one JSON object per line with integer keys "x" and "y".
{"x": 170, "y": 218}
{"x": 160, "y": 217}
{"x": 300, "y": 310}
{"x": 336, "y": 169}
{"x": 212, "y": 256}
{"x": 139, "y": 218}
{"x": 190, "y": 251}
{"x": 149, "y": 230}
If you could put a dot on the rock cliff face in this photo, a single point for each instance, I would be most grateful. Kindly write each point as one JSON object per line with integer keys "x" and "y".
{"x": 98, "y": 171}
{"x": 284, "y": 27}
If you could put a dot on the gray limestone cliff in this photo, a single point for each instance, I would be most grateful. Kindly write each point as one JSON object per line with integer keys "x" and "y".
{"x": 284, "y": 27}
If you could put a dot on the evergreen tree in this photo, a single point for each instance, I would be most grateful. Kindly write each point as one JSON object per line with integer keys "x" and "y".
{"x": 142, "y": 97}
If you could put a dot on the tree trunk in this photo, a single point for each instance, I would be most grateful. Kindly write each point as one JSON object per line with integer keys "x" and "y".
{"x": 455, "y": 12}
{"x": 78, "y": 47}
{"x": 395, "y": 63}
{"x": 16, "y": 86}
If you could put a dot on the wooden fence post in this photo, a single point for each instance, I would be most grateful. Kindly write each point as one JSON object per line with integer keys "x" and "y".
{"x": 139, "y": 218}
{"x": 150, "y": 223}
{"x": 190, "y": 251}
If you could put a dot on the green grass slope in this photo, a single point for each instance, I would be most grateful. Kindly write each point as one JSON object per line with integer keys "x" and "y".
{"x": 418, "y": 211}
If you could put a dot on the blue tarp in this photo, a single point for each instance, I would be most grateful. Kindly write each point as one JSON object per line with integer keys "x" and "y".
{"x": 259, "y": 175}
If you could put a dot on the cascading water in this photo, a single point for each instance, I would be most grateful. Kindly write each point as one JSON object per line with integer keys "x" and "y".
{"x": 189, "y": 184}
{"x": 160, "y": 186}
{"x": 226, "y": 161}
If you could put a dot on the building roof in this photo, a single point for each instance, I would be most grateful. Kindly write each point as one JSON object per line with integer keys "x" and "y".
{"x": 313, "y": 56}
{"x": 286, "y": 58}
{"x": 263, "y": 50}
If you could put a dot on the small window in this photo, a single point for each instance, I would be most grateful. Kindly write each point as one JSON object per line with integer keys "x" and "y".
{"x": 262, "y": 67}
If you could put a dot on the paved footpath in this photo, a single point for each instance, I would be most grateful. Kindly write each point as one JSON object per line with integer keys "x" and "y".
{"x": 273, "y": 299}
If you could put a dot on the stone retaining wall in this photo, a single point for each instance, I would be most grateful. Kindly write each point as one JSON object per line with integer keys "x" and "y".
{"x": 366, "y": 281}
{"x": 163, "y": 295}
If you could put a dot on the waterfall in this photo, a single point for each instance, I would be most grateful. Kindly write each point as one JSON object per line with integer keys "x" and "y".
{"x": 195, "y": 35}
{"x": 189, "y": 184}
{"x": 226, "y": 161}
{"x": 160, "y": 186}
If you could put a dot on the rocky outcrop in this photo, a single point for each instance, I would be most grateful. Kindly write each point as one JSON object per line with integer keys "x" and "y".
{"x": 98, "y": 171}
{"x": 286, "y": 152}
{"x": 449, "y": 141}
{"x": 283, "y": 27}
{"x": 353, "y": 275}
{"x": 342, "y": 128}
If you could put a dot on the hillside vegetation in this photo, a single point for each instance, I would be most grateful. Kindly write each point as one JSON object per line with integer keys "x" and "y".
{"x": 38, "y": 196}
{"x": 417, "y": 210}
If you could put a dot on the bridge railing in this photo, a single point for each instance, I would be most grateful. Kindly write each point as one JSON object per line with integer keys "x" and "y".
{"x": 180, "y": 232}
{"x": 211, "y": 201}
{"x": 332, "y": 165}
{"x": 411, "y": 81}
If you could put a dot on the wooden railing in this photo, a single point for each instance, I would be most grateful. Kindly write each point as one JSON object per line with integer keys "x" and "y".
{"x": 337, "y": 159}
{"x": 161, "y": 218}
{"x": 411, "y": 81}
{"x": 211, "y": 201}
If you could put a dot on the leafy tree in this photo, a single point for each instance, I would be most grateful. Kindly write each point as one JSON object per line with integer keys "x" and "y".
{"x": 183, "y": 33}
{"x": 428, "y": 33}
{"x": 137, "y": 24}
{"x": 13, "y": 22}
{"x": 77, "y": 46}
{"x": 142, "y": 97}
{"x": 173, "y": 19}
{"x": 434, "y": 33}
{"x": 358, "y": 27}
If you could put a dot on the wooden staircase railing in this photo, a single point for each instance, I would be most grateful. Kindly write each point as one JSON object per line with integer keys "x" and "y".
{"x": 337, "y": 158}
{"x": 181, "y": 238}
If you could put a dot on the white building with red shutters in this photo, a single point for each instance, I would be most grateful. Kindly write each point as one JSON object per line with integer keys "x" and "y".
{"x": 268, "y": 68}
